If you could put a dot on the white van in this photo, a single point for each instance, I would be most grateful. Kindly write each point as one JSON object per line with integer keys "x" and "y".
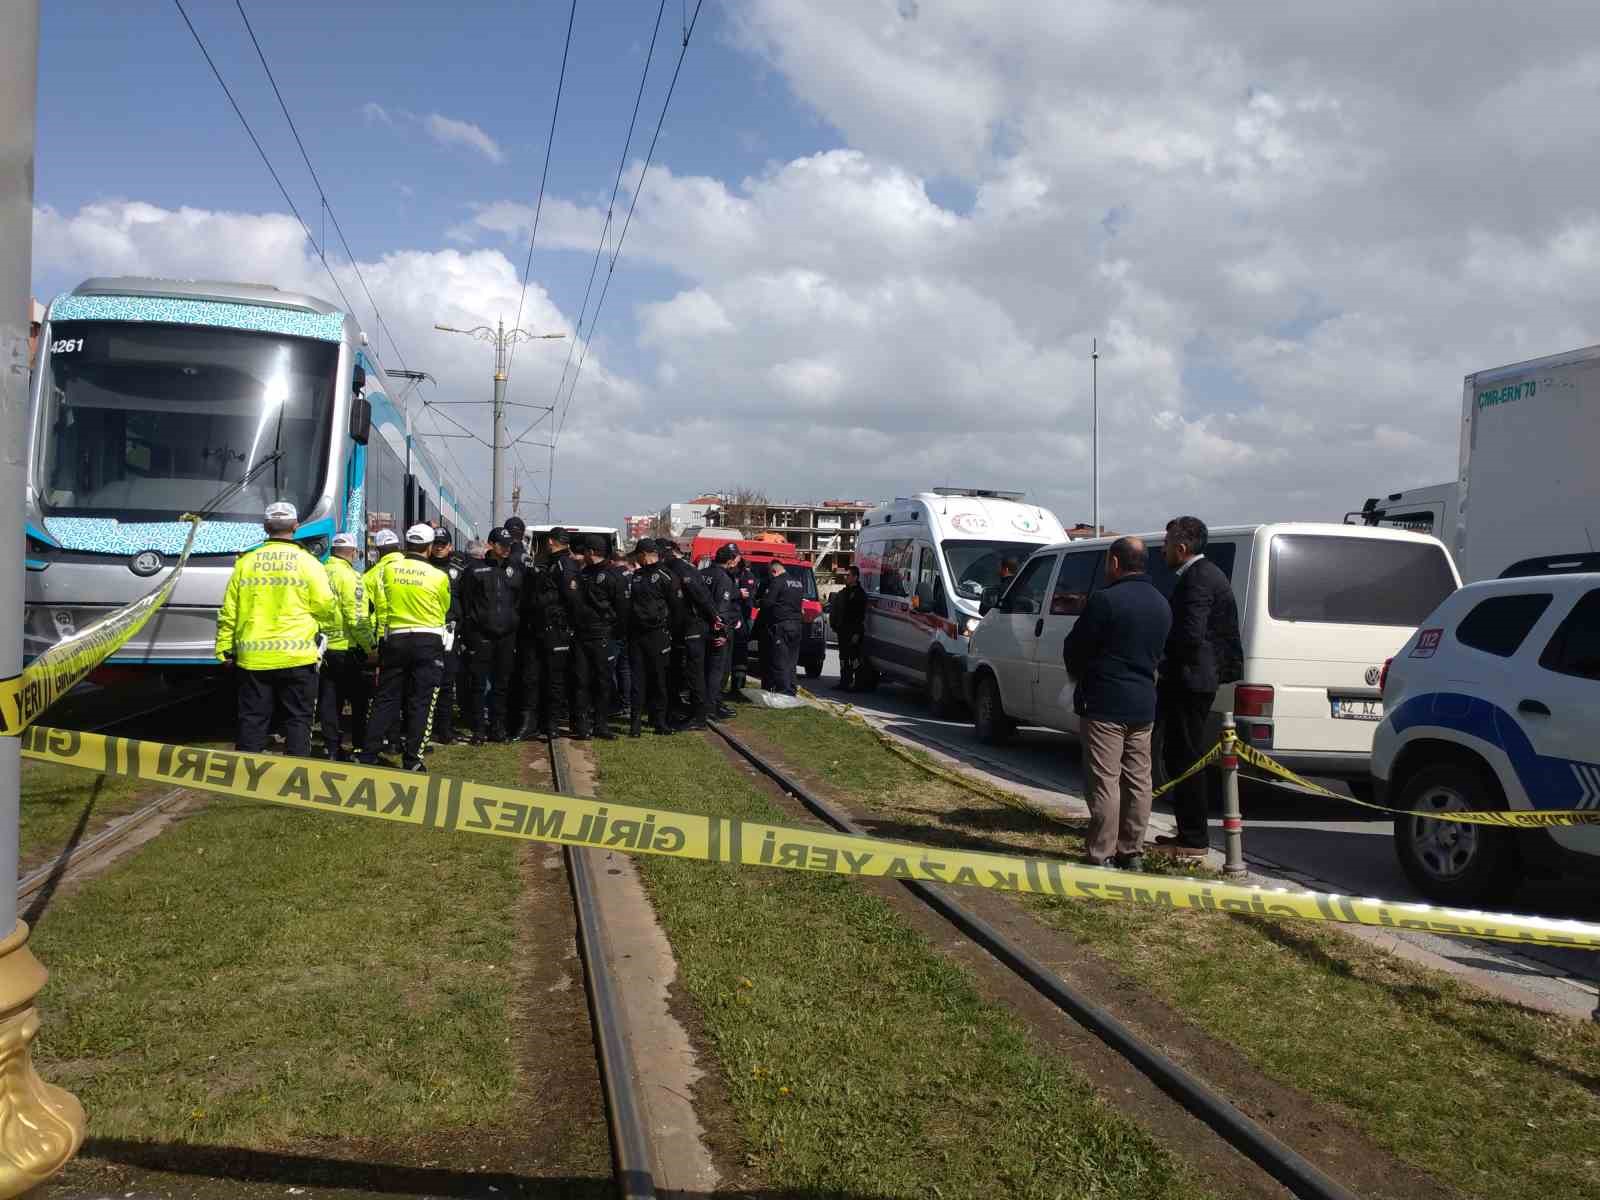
{"x": 926, "y": 561}
{"x": 1321, "y": 607}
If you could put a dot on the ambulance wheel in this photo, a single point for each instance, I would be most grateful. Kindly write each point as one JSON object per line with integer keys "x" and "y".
{"x": 943, "y": 698}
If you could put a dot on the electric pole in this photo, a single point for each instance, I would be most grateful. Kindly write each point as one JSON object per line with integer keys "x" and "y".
{"x": 502, "y": 339}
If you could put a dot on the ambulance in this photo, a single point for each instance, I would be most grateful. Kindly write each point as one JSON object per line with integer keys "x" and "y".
{"x": 927, "y": 562}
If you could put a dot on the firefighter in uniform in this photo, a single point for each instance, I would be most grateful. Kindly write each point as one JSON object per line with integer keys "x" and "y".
{"x": 783, "y": 612}
{"x": 490, "y": 601}
{"x": 343, "y": 675}
{"x": 653, "y": 613}
{"x": 725, "y": 599}
{"x": 275, "y": 606}
{"x": 848, "y": 617}
{"x": 602, "y": 603}
{"x": 410, "y": 609}
{"x": 447, "y": 560}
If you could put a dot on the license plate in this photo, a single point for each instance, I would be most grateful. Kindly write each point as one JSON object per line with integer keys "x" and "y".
{"x": 1349, "y": 709}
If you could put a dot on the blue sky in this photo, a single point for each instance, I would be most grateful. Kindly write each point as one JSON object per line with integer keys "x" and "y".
{"x": 130, "y": 111}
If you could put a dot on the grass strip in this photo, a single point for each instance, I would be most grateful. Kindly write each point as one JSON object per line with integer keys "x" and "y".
{"x": 858, "y": 1058}
{"x": 60, "y": 802}
{"x": 256, "y": 976}
{"x": 1497, "y": 1100}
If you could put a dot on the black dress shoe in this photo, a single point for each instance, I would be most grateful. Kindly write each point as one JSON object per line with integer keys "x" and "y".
{"x": 724, "y": 713}
{"x": 697, "y": 723}
{"x": 664, "y": 731}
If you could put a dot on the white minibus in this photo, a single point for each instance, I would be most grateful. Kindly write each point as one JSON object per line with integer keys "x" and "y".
{"x": 1321, "y": 607}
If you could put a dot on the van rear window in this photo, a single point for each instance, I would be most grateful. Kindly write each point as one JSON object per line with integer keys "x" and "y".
{"x": 1356, "y": 581}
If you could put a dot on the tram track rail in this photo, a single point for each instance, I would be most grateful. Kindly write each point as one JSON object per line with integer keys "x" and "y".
{"x": 1255, "y": 1142}
{"x": 74, "y": 857}
{"x": 631, "y": 1152}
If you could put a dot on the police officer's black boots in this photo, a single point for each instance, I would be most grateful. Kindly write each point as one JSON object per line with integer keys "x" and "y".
{"x": 634, "y": 728}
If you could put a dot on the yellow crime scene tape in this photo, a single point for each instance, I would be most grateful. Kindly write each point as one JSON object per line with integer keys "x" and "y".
{"x": 461, "y": 806}
{"x": 25, "y": 697}
{"x": 1510, "y": 819}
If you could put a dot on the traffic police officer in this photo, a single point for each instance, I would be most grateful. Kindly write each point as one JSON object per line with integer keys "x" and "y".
{"x": 697, "y": 619}
{"x": 343, "y": 675}
{"x": 653, "y": 613}
{"x": 782, "y": 610}
{"x": 276, "y": 605}
{"x": 410, "y": 608}
{"x": 384, "y": 543}
{"x": 490, "y": 598}
{"x": 725, "y": 599}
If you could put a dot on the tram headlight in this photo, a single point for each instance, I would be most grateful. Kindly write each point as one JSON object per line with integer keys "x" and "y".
{"x": 38, "y": 549}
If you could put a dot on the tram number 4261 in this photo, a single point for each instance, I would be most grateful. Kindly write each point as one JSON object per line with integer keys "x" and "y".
{"x": 66, "y": 346}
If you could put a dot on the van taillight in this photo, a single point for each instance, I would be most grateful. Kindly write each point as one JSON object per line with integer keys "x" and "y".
{"x": 1383, "y": 676}
{"x": 1252, "y": 700}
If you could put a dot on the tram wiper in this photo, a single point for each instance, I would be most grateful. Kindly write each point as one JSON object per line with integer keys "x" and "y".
{"x": 233, "y": 489}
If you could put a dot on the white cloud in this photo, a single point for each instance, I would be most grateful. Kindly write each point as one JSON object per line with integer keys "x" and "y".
{"x": 448, "y": 131}
{"x": 373, "y": 111}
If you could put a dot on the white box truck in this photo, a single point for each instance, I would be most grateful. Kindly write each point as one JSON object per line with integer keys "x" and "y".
{"x": 1527, "y": 497}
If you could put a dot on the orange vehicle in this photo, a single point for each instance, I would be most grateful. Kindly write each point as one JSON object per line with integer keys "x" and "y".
{"x": 813, "y": 639}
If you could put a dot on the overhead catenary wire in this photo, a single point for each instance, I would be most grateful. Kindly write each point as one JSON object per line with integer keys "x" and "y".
{"x": 622, "y": 163}
{"x": 544, "y": 177}
{"x": 319, "y": 248}
{"x": 633, "y": 204}
{"x": 322, "y": 192}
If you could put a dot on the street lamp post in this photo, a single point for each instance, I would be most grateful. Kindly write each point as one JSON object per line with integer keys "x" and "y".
{"x": 43, "y": 1125}
{"x": 502, "y": 340}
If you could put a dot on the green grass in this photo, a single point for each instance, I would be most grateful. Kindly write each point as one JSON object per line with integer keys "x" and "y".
{"x": 857, "y": 1058}
{"x": 257, "y": 975}
{"x": 1499, "y": 1101}
{"x": 56, "y": 800}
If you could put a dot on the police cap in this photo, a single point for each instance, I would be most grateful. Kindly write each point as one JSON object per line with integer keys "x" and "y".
{"x": 500, "y": 536}
{"x": 647, "y": 545}
{"x": 560, "y": 536}
{"x": 516, "y": 525}
{"x": 442, "y": 538}
{"x": 726, "y": 552}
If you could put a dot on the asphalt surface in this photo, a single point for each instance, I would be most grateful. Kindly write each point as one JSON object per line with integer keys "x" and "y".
{"x": 1291, "y": 837}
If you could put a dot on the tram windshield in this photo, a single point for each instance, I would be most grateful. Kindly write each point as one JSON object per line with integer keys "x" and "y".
{"x": 145, "y": 421}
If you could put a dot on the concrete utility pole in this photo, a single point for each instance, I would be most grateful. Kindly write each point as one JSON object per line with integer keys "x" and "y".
{"x": 44, "y": 1125}
{"x": 1094, "y": 392}
{"x": 502, "y": 340}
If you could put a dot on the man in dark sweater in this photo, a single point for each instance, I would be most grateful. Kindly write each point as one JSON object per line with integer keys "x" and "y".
{"x": 1112, "y": 654}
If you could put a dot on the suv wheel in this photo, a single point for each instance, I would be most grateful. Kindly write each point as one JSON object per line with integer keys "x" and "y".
{"x": 942, "y": 698}
{"x": 989, "y": 715}
{"x": 1447, "y": 862}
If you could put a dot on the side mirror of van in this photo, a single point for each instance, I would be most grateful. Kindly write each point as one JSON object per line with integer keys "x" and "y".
{"x": 990, "y": 597}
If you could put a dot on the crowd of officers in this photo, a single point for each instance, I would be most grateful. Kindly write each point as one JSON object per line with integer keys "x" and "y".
{"x": 518, "y": 642}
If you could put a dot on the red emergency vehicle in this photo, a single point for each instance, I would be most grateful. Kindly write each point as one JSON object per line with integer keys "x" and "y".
{"x": 813, "y": 638}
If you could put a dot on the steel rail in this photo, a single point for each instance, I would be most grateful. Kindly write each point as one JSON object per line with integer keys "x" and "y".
{"x": 630, "y": 1138}
{"x": 1260, "y": 1146}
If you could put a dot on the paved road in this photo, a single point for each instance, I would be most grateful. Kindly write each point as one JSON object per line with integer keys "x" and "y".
{"x": 1290, "y": 837}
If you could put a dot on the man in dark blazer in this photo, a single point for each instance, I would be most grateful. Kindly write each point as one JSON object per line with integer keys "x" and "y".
{"x": 1112, "y": 654}
{"x": 1203, "y": 652}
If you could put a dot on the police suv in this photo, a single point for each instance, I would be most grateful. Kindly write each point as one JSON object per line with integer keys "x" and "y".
{"x": 1494, "y": 704}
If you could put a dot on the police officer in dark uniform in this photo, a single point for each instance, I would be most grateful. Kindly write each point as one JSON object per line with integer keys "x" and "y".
{"x": 782, "y": 611}
{"x": 444, "y": 716}
{"x": 603, "y": 601}
{"x": 653, "y": 605}
{"x": 848, "y": 616}
{"x": 518, "y": 530}
{"x": 696, "y": 621}
{"x": 725, "y": 599}
{"x": 490, "y": 595}
{"x": 744, "y": 579}
{"x": 621, "y": 669}
{"x": 560, "y": 616}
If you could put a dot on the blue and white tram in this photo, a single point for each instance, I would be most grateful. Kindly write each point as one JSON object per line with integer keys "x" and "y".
{"x": 150, "y": 397}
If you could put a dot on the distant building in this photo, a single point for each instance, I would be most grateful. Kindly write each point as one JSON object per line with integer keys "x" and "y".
{"x": 823, "y": 532}
{"x": 636, "y": 527}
